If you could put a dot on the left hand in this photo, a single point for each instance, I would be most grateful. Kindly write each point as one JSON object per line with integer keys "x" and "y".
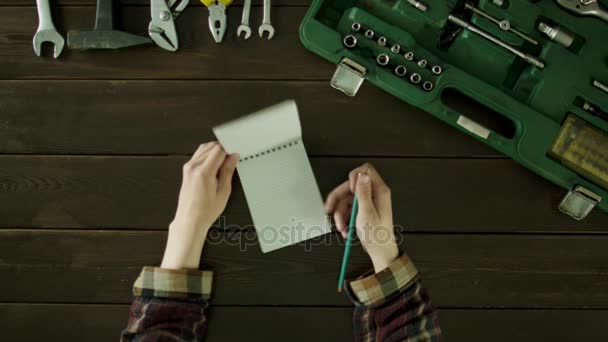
{"x": 206, "y": 187}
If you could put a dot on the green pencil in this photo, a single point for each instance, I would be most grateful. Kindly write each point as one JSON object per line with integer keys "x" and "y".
{"x": 349, "y": 241}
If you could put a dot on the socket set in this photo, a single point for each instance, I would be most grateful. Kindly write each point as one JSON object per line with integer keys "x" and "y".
{"x": 525, "y": 77}
{"x": 390, "y": 55}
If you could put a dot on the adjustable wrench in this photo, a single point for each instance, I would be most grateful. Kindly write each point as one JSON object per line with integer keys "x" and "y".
{"x": 266, "y": 25}
{"x": 46, "y": 30}
{"x": 244, "y": 27}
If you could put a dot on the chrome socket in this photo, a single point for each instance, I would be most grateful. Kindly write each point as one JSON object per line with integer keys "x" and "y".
{"x": 436, "y": 69}
{"x": 383, "y": 59}
{"x": 369, "y": 34}
{"x": 400, "y": 70}
{"x": 382, "y": 41}
{"x": 428, "y": 85}
{"x": 409, "y": 56}
{"x": 415, "y": 78}
{"x": 350, "y": 41}
{"x": 396, "y": 48}
{"x": 355, "y": 27}
{"x": 422, "y": 63}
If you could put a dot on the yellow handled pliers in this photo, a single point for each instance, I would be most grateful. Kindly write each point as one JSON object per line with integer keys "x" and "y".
{"x": 217, "y": 17}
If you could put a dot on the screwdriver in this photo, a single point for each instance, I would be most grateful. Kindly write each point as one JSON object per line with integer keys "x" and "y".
{"x": 217, "y": 17}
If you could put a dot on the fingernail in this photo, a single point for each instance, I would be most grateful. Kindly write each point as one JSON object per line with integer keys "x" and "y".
{"x": 364, "y": 178}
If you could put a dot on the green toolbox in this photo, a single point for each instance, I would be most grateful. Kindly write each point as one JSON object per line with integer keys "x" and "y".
{"x": 528, "y": 78}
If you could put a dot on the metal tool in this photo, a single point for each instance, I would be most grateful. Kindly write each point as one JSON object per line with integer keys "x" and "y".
{"x": 355, "y": 27}
{"x": 400, "y": 70}
{"x": 528, "y": 58}
{"x": 557, "y": 34}
{"x": 382, "y": 59}
{"x": 427, "y": 85}
{"x": 350, "y": 41}
{"x": 382, "y": 41}
{"x": 419, "y": 5}
{"x": 422, "y": 63}
{"x": 594, "y": 110}
{"x": 415, "y": 78}
{"x": 104, "y": 36}
{"x": 217, "y": 17}
{"x": 395, "y": 48}
{"x": 266, "y": 25}
{"x": 162, "y": 26}
{"x": 244, "y": 26}
{"x": 47, "y": 33}
{"x": 601, "y": 86}
{"x": 409, "y": 56}
{"x": 436, "y": 69}
{"x": 503, "y": 24}
{"x": 585, "y": 7}
{"x": 369, "y": 34}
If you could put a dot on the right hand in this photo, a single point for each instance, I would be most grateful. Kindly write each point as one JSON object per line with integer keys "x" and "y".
{"x": 375, "y": 216}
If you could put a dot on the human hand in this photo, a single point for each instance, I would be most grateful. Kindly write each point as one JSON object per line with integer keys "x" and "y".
{"x": 375, "y": 216}
{"x": 206, "y": 186}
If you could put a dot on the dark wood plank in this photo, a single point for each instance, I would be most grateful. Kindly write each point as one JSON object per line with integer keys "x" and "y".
{"x": 445, "y": 195}
{"x": 520, "y": 271}
{"x": 123, "y": 120}
{"x": 199, "y": 56}
{"x": 94, "y": 323}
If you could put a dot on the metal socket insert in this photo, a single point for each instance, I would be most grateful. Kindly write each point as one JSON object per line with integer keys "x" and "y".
{"x": 428, "y": 85}
{"x": 409, "y": 56}
{"x": 350, "y": 41}
{"x": 369, "y": 34}
{"x": 400, "y": 70}
{"x": 382, "y": 59}
{"x": 395, "y": 48}
{"x": 415, "y": 78}
{"x": 382, "y": 41}
{"x": 422, "y": 63}
{"x": 436, "y": 69}
{"x": 355, "y": 27}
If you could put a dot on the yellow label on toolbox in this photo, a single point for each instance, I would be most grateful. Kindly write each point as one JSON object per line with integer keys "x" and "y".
{"x": 583, "y": 148}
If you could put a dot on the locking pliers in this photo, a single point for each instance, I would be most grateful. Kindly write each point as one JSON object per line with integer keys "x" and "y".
{"x": 585, "y": 7}
{"x": 162, "y": 26}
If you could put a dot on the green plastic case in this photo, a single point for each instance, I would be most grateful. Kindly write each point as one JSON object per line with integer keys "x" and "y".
{"x": 535, "y": 101}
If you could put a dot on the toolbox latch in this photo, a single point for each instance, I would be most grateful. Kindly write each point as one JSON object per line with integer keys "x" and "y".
{"x": 348, "y": 77}
{"x": 579, "y": 202}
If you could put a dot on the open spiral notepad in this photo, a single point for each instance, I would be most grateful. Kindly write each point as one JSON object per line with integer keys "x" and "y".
{"x": 280, "y": 187}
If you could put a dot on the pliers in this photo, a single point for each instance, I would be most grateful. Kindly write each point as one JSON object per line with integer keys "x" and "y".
{"x": 585, "y": 7}
{"x": 217, "y": 17}
{"x": 162, "y": 27}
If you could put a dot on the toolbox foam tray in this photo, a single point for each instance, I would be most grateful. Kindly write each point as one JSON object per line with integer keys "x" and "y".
{"x": 534, "y": 102}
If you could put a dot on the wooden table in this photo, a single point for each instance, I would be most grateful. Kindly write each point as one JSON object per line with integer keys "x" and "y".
{"x": 92, "y": 146}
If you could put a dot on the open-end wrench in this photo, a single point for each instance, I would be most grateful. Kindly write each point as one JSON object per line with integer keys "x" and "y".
{"x": 244, "y": 27}
{"x": 46, "y": 30}
{"x": 266, "y": 25}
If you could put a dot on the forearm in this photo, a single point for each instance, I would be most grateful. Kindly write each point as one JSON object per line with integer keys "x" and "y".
{"x": 392, "y": 305}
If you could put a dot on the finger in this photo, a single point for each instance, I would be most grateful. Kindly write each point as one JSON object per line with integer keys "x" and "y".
{"x": 214, "y": 160}
{"x": 202, "y": 149}
{"x": 364, "y": 195}
{"x": 341, "y": 217}
{"x": 225, "y": 175}
{"x": 335, "y": 196}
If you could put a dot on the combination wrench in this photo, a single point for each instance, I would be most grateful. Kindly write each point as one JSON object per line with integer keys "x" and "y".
{"x": 266, "y": 25}
{"x": 47, "y": 33}
{"x": 244, "y": 27}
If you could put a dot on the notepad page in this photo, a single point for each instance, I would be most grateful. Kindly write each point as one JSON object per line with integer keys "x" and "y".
{"x": 279, "y": 185}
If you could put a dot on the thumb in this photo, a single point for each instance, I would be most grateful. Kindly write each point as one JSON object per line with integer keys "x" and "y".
{"x": 364, "y": 194}
{"x": 225, "y": 175}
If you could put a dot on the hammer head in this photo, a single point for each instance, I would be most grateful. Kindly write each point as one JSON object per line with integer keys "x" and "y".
{"x": 104, "y": 39}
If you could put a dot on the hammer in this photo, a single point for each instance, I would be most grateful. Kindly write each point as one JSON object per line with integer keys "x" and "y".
{"x": 104, "y": 36}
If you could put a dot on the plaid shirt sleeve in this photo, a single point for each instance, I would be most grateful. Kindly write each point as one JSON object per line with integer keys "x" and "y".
{"x": 392, "y": 305}
{"x": 169, "y": 305}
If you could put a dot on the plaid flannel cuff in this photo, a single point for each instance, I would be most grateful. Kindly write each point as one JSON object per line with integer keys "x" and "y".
{"x": 379, "y": 287}
{"x": 179, "y": 284}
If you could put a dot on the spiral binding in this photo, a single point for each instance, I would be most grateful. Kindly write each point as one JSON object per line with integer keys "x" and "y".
{"x": 270, "y": 150}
